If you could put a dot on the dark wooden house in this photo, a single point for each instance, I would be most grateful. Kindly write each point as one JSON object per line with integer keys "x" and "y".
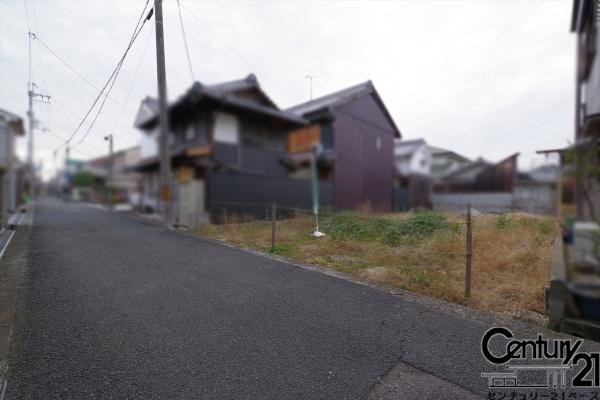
{"x": 233, "y": 150}
{"x": 357, "y": 134}
{"x": 227, "y": 146}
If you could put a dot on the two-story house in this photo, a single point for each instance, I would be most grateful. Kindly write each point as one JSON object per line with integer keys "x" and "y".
{"x": 356, "y": 132}
{"x": 233, "y": 149}
{"x": 227, "y": 146}
{"x": 11, "y": 126}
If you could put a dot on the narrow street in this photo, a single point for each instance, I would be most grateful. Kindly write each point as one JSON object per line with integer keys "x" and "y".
{"x": 117, "y": 308}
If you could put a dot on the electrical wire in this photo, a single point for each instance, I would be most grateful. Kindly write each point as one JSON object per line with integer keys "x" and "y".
{"x": 215, "y": 34}
{"x": 230, "y": 47}
{"x": 114, "y": 128}
{"x": 112, "y": 79}
{"x": 83, "y": 78}
{"x": 187, "y": 50}
{"x": 35, "y": 24}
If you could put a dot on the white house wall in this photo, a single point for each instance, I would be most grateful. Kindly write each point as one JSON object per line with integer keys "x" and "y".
{"x": 149, "y": 144}
{"x": 420, "y": 162}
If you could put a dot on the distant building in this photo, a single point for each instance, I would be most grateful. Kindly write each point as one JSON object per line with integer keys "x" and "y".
{"x": 357, "y": 134}
{"x": 11, "y": 126}
{"x": 486, "y": 186}
{"x": 536, "y": 191}
{"x": 413, "y": 161}
{"x": 445, "y": 162}
{"x": 545, "y": 173}
{"x": 125, "y": 183}
{"x": 498, "y": 187}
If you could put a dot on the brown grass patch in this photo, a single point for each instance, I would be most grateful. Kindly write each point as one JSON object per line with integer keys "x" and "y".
{"x": 511, "y": 258}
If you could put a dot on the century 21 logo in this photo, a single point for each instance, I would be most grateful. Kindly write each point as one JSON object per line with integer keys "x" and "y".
{"x": 529, "y": 351}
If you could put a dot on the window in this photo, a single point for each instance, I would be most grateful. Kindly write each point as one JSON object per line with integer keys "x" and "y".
{"x": 226, "y": 128}
{"x": 275, "y": 140}
{"x": 327, "y": 136}
{"x": 190, "y": 132}
{"x": 253, "y": 135}
{"x": 256, "y": 135}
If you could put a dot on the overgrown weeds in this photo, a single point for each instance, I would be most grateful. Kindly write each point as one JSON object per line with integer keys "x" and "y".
{"x": 422, "y": 252}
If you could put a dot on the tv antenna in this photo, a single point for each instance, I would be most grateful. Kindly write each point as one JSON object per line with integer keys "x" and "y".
{"x": 311, "y": 77}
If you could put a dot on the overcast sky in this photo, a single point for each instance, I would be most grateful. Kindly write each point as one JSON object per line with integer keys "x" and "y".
{"x": 482, "y": 78}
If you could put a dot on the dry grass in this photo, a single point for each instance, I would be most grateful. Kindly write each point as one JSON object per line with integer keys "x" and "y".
{"x": 511, "y": 258}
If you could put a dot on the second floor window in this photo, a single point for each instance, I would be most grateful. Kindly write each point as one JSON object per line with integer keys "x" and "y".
{"x": 226, "y": 128}
{"x": 262, "y": 137}
{"x": 327, "y": 136}
{"x": 190, "y": 132}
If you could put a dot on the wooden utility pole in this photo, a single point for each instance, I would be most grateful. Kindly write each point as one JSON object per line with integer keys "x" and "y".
{"x": 31, "y": 93}
{"x": 109, "y": 178}
{"x": 469, "y": 253}
{"x": 163, "y": 143}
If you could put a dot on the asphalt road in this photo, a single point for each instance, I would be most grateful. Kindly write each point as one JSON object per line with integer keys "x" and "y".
{"x": 117, "y": 308}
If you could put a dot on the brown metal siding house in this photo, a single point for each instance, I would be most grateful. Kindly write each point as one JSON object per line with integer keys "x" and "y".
{"x": 362, "y": 145}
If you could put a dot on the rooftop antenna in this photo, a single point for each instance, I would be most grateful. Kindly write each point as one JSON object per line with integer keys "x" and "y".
{"x": 311, "y": 77}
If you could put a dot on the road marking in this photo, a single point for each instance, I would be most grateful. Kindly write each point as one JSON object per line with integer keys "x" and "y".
{"x": 12, "y": 233}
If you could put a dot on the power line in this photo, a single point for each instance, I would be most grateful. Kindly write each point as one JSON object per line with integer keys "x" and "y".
{"x": 27, "y": 15}
{"x": 133, "y": 81}
{"x": 215, "y": 34}
{"x": 83, "y": 78}
{"x": 68, "y": 110}
{"x": 35, "y": 23}
{"x": 187, "y": 50}
{"x": 107, "y": 92}
{"x": 113, "y": 77}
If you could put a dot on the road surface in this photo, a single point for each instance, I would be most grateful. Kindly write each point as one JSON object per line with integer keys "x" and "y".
{"x": 117, "y": 308}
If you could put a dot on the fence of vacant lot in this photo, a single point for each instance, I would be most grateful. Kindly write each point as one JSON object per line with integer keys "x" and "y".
{"x": 497, "y": 261}
{"x": 235, "y": 213}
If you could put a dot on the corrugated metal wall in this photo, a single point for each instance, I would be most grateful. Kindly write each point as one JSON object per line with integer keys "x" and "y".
{"x": 364, "y": 148}
{"x": 249, "y": 194}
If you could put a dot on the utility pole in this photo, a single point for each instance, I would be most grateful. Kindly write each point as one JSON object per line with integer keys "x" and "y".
{"x": 311, "y": 77}
{"x": 165, "y": 161}
{"x": 109, "y": 179}
{"x": 31, "y": 93}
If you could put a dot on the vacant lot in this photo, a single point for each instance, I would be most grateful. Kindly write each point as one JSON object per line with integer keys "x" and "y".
{"x": 421, "y": 252}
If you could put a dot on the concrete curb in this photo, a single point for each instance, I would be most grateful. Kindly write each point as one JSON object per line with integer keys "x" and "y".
{"x": 12, "y": 272}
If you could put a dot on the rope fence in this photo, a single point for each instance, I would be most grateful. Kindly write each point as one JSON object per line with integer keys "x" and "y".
{"x": 230, "y": 213}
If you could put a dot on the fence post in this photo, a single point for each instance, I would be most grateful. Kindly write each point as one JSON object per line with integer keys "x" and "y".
{"x": 469, "y": 253}
{"x": 225, "y": 219}
{"x": 273, "y": 219}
